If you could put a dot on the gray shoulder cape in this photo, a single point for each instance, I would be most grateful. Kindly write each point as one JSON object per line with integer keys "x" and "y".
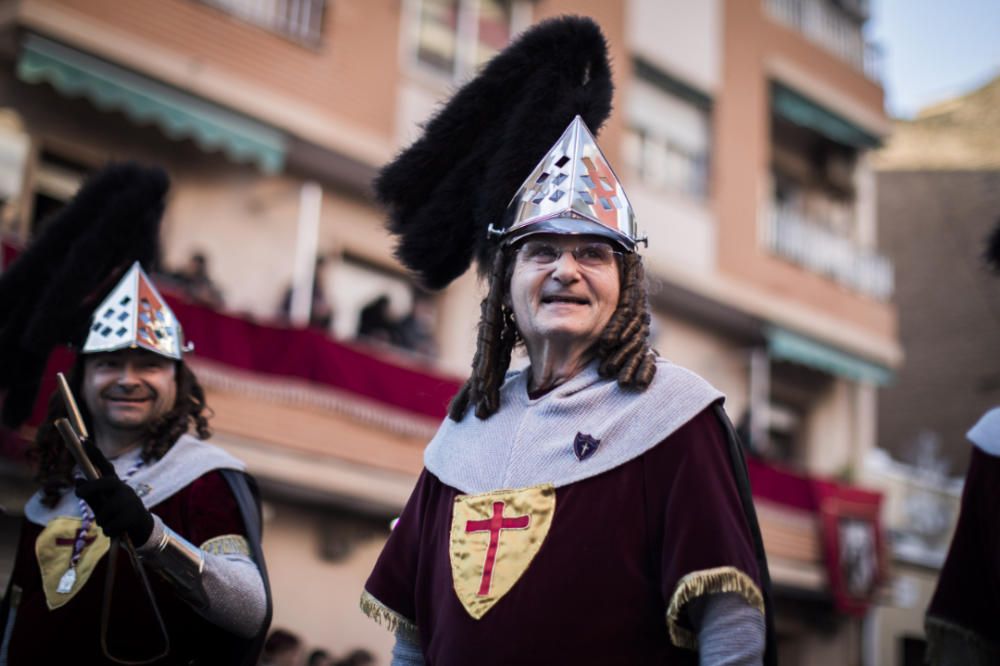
{"x": 188, "y": 459}
{"x": 531, "y": 441}
{"x": 986, "y": 433}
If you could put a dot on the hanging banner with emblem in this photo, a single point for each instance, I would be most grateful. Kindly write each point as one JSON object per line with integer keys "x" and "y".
{"x": 494, "y": 537}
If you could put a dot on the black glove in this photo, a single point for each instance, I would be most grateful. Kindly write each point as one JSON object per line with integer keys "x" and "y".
{"x": 117, "y": 509}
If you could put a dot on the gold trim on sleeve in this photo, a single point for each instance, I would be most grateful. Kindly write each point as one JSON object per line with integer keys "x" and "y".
{"x": 708, "y": 581}
{"x": 227, "y": 544}
{"x": 385, "y": 616}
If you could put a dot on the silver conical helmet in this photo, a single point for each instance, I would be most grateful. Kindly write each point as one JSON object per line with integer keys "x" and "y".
{"x": 572, "y": 190}
{"x": 134, "y": 315}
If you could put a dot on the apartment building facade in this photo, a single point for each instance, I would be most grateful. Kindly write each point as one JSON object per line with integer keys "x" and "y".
{"x": 742, "y": 131}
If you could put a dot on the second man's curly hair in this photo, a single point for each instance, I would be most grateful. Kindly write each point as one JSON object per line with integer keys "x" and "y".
{"x": 54, "y": 462}
{"x": 622, "y": 349}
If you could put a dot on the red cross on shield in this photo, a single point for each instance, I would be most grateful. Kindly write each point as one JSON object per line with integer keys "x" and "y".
{"x": 494, "y": 537}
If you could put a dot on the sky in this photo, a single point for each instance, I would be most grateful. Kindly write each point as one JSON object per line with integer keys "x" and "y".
{"x": 934, "y": 49}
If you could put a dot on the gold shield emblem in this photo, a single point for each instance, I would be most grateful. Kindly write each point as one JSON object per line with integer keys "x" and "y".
{"x": 54, "y": 550}
{"x": 494, "y": 537}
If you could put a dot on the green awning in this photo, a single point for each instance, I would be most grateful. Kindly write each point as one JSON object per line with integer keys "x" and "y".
{"x": 801, "y": 110}
{"x": 793, "y": 347}
{"x": 145, "y": 101}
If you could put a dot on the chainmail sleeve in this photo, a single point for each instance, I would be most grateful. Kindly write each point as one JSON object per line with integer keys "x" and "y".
{"x": 228, "y": 590}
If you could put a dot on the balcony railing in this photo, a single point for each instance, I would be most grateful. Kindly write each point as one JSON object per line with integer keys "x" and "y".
{"x": 788, "y": 234}
{"x": 832, "y": 28}
{"x": 298, "y": 20}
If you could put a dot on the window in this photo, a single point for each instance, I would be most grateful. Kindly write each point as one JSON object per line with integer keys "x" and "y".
{"x": 821, "y": 213}
{"x": 836, "y": 25}
{"x": 455, "y": 37}
{"x": 667, "y": 138}
{"x": 794, "y": 393}
{"x": 300, "y": 21}
{"x": 813, "y": 176}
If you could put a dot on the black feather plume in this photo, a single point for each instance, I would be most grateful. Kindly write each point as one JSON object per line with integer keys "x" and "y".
{"x": 446, "y": 188}
{"x": 50, "y": 291}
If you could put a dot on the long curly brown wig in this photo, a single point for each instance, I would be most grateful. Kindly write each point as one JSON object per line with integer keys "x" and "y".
{"x": 623, "y": 347}
{"x": 54, "y": 462}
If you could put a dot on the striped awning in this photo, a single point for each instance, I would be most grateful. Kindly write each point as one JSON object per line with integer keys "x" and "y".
{"x": 799, "y": 109}
{"x": 789, "y": 346}
{"x": 146, "y": 101}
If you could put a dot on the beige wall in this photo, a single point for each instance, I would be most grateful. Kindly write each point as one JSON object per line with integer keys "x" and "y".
{"x": 840, "y": 430}
{"x": 829, "y": 431}
{"x": 318, "y": 599}
{"x": 458, "y": 309}
{"x": 683, "y": 235}
{"x": 841, "y": 648}
{"x": 903, "y": 614}
{"x": 679, "y": 36}
{"x": 247, "y": 223}
{"x": 714, "y": 357}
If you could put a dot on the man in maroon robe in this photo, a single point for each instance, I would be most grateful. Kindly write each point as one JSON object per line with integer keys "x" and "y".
{"x": 963, "y": 619}
{"x": 186, "y": 507}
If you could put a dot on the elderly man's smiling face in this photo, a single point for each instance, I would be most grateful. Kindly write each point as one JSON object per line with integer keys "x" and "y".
{"x": 564, "y": 290}
{"x": 128, "y": 389}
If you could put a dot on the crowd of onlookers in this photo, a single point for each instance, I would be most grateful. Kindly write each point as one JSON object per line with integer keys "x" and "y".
{"x": 284, "y": 648}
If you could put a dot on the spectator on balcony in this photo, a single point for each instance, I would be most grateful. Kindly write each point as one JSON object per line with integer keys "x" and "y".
{"x": 415, "y": 332}
{"x": 320, "y": 310}
{"x": 196, "y": 283}
{"x": 375, "y": 321}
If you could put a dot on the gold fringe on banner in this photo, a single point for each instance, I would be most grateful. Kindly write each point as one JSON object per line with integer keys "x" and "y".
{"x": 385, "y": 616}
{"x": 708, "y": 581}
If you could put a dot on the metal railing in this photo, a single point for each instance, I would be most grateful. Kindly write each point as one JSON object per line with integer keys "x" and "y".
{"x": 298, "y": 20}
{"x": 789, "y": 234}
{"x": 830, "y": 27}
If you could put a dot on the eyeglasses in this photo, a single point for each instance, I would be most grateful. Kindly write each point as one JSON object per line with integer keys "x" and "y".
{"x": 590, "y": 255}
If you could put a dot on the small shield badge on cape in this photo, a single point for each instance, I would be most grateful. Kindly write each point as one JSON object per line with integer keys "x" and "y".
{"x": 494, "y": 537}
{"x": 585, "y": 446}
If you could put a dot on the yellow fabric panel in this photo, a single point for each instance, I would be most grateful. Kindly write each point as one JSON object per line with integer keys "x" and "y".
{"x": 515, "y": 522}
{"x": 54, "y": 558}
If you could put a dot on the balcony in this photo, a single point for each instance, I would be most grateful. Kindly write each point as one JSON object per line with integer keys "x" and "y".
{"x": 789, "y": 234}
{"x": 831, "y": 27}
{"x": 300, "y": 21}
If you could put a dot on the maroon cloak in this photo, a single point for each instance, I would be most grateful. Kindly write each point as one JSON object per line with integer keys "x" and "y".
{"x": 963, "y": 619}
{"x": 598, "y": 590}
{"x": 204, "y": 509}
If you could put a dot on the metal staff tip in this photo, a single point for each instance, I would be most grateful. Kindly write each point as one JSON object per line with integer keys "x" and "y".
{"x": 75, "y": 418}
{"x": 76, "y": 448}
